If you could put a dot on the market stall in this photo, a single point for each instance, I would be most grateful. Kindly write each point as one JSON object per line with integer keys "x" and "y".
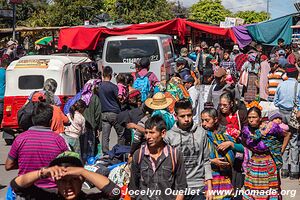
{"x": 86, "y": 38}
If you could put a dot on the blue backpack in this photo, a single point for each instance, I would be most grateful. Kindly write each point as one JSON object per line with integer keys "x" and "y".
{"x": 71, "y": 102}
{"x": 142, "y": 83}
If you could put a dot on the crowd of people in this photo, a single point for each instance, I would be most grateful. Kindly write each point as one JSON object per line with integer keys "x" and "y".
{"x": 182, "y": 145}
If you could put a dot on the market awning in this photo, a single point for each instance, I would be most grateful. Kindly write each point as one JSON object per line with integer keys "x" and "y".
{"x": 86, "y": 38}
{"x": 269, "y": 32}
{"x": 242, "y": 35}
{"x": 215, "y": 30}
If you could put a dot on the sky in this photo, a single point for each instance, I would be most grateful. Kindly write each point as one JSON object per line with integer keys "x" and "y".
{"x": 278, "y": 8}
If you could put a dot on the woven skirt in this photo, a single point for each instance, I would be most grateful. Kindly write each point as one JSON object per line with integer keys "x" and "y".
{"x": 251, "y": 89}
{"x": 223, "y": 185}
{"x": 261, "y": 175}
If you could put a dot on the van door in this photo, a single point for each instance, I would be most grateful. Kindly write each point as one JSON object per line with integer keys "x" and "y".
{"x": 169, "y": 57}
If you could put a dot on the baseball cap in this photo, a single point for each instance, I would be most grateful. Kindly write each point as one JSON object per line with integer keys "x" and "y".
{"x": 220, "y": 72}
{"x": 236, "y": 47}
{"x": 291, "y": 70}
{"x": 38, "y": 96}
{"x": 264, "y": 57}
{"x": 281, "y": 52}
{"x": 217, "y": 45}
{"x": 9, "y": 43}
{"x": 67, "y": 158}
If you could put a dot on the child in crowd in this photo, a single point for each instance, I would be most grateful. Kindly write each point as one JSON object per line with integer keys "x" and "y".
{"x": 122, "y": 90}
{"x": 134, "y": 96}
{"x": 277, "y": 118}
{"x": 77, "y": 125}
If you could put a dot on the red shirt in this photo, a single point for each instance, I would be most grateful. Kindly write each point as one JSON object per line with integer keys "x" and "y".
{"x": 232, "y": 126}
{"x": 291, "y": 59}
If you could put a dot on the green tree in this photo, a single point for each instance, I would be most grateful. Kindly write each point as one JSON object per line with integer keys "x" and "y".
{"x": 251, "y": 17}
{"x": 209, "y": 11}
{"x": 109, "y": 7}
{"x": 23, "y": 11}
{"x": 66, "y": 13}
{"x": 137, "y": 11}
{"x": 28, "y": 8}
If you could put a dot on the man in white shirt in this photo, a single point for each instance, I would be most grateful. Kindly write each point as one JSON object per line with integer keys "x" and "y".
{"x": 194, "y": 94}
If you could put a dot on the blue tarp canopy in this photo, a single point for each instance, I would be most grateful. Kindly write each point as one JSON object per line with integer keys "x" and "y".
{"x": 269, "y": 32}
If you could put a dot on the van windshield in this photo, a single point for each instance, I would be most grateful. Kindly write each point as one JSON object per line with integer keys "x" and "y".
{"x": 129, "y": 51}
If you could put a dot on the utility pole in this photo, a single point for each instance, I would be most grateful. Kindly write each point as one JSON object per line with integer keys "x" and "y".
{"x": 13, "y": 3}
{"x": 268, "y": 8}
{"x": 14, "y": 21}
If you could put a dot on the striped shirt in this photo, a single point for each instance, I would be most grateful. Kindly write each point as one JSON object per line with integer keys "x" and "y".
{"x": 274, "y": 79}
{"x": 36, "y": 148}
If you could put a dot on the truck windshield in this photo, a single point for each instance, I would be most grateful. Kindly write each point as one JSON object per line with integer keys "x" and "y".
{"x": 129, "y": 51}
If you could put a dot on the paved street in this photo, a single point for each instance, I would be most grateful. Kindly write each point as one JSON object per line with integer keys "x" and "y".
{"x": 5, "y": 177}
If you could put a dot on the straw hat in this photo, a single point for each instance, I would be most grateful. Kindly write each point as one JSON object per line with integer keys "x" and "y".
{"x": 159, "y": 101}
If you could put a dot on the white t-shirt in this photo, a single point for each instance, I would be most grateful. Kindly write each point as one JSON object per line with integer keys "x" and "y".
{"x": 195, "y": 95}
{"x": 77, "y": 126}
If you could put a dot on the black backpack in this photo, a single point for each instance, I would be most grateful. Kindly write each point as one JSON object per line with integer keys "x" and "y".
{"x": 25, "y": 115}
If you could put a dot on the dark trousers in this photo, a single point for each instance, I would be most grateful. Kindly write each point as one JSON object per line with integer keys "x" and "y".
{"x": 88, "y": 143}
{"x": 109, "y": 120}
{"x": 238, "y": 177}
{"x": 291, "y": 153}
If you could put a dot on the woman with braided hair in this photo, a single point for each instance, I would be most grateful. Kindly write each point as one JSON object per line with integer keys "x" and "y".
{"x": 221, "y": 155}
{"x": 262, "y": 168}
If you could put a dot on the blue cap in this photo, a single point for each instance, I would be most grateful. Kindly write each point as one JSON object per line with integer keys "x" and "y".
{"x": 281, "y": 52}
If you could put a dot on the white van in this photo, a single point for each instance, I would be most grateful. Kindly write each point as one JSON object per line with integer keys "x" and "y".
{"x": 120, "y": 52}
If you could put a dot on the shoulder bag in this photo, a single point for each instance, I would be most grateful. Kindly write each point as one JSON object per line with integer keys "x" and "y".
{"x": 293, "y": 122}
